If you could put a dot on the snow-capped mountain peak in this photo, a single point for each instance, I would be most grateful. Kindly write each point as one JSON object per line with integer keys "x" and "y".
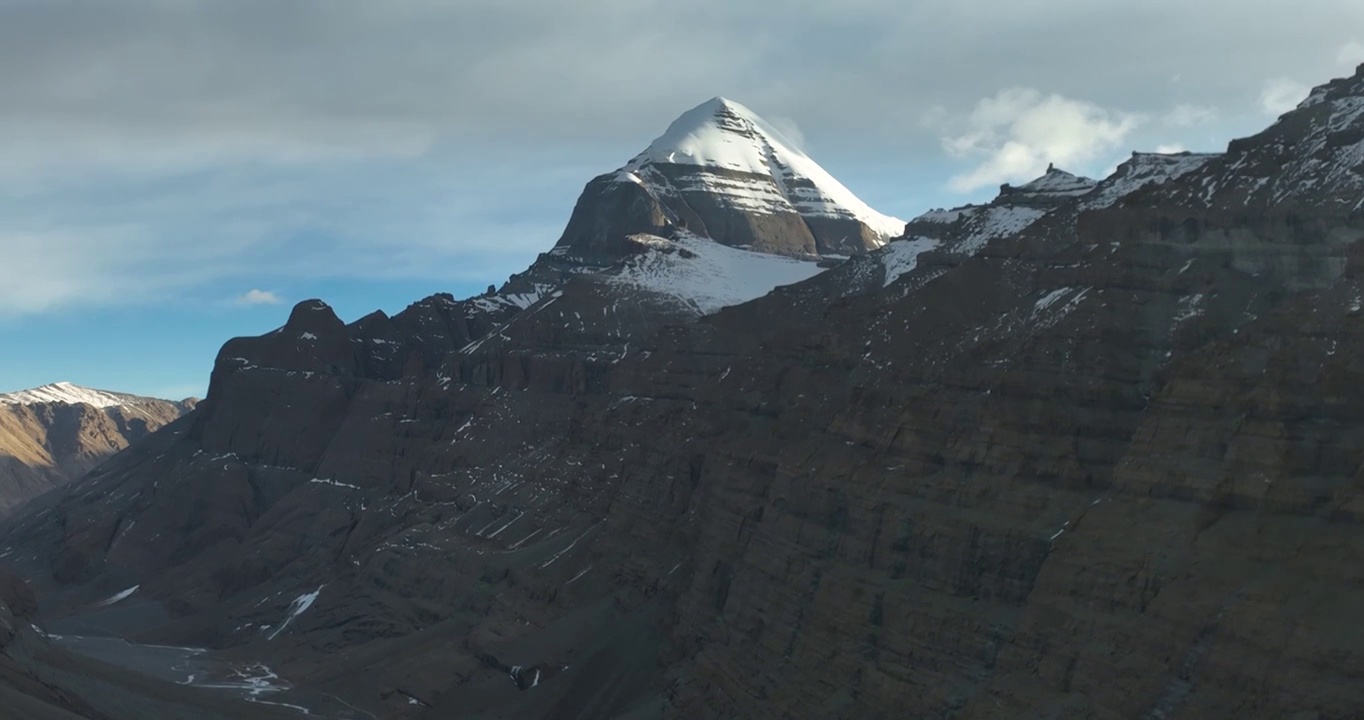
{"x": 721, "y": 134}
{"x": 64, "y": 392}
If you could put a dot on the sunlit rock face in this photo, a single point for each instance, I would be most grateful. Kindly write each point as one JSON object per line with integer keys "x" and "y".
{"x": 53, "y": 434}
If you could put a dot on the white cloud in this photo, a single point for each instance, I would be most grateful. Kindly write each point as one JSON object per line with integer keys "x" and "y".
{"x": 935, "y": 118}
{"x": 1016, "y": 133}
{"x": 110, "y": 82}
{"x": 46, "y": 269}
{"x": 432, "y": 140}
{"x": 1170, "y": 149}
{"x": 1350, "y": 54}
{"x": 1281, "y": 94}
{"x": 1189, "y": 116}
{"x": 789, "y": 130}
{"x": 258, "y": 297}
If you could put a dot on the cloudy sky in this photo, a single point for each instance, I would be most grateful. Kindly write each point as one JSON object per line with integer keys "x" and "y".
{"x": 176, "y": 172}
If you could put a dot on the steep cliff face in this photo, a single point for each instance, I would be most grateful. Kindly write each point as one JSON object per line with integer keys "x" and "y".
{"x": 1094, "y": 470}
{"x": 1084, "y": 451}
{"x": 52, "y": 435}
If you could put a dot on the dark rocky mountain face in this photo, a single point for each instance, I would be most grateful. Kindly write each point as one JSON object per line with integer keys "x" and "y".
{"x": 1079, "y": 452}
{"x": 52, "y": 435}
{"x": 662, "y": 197}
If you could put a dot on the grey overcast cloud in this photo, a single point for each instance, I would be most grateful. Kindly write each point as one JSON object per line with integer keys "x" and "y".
{"x": 245, "y": 152}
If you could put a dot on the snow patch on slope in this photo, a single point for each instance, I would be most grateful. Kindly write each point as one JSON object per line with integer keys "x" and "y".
{"x": 299, "y": 605}
{"x": 119, "y": 597}
{"x": 706, "y": 275}
{"x": 998, "y": 221}
{"x": 334, "y": 483}
{"x": 1144, "y": 169}
{"x": 1311, "y": 156}
{"x": 902, "y": 256}
{"x": 520, "y": 301}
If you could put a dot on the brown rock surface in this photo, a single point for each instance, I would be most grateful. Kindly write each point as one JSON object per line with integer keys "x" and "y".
{"x": 44, "y": 445}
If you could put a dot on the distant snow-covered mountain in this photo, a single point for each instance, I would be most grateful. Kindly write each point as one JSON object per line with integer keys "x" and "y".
{"x": 65, "y": 392}
{"x": 52, "y": 434}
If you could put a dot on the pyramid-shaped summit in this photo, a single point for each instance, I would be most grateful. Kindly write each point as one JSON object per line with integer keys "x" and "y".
{"x": 722, "y": 172}
{"x": 720, "y": 133}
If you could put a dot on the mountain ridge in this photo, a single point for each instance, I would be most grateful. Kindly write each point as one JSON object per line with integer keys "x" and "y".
{"x": 1082, "y": 453}
{"x": 53, "y": 434}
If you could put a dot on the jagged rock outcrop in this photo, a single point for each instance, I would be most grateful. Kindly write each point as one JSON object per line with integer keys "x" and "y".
{"x": 1054, "y": 187}
{"x": 52, "y": 435}
{"x": 1100, "y": 461}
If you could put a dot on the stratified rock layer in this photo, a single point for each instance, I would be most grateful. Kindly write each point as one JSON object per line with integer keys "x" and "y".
{"x": 1102, "y": 464}
{"x": 722, "y": 172}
